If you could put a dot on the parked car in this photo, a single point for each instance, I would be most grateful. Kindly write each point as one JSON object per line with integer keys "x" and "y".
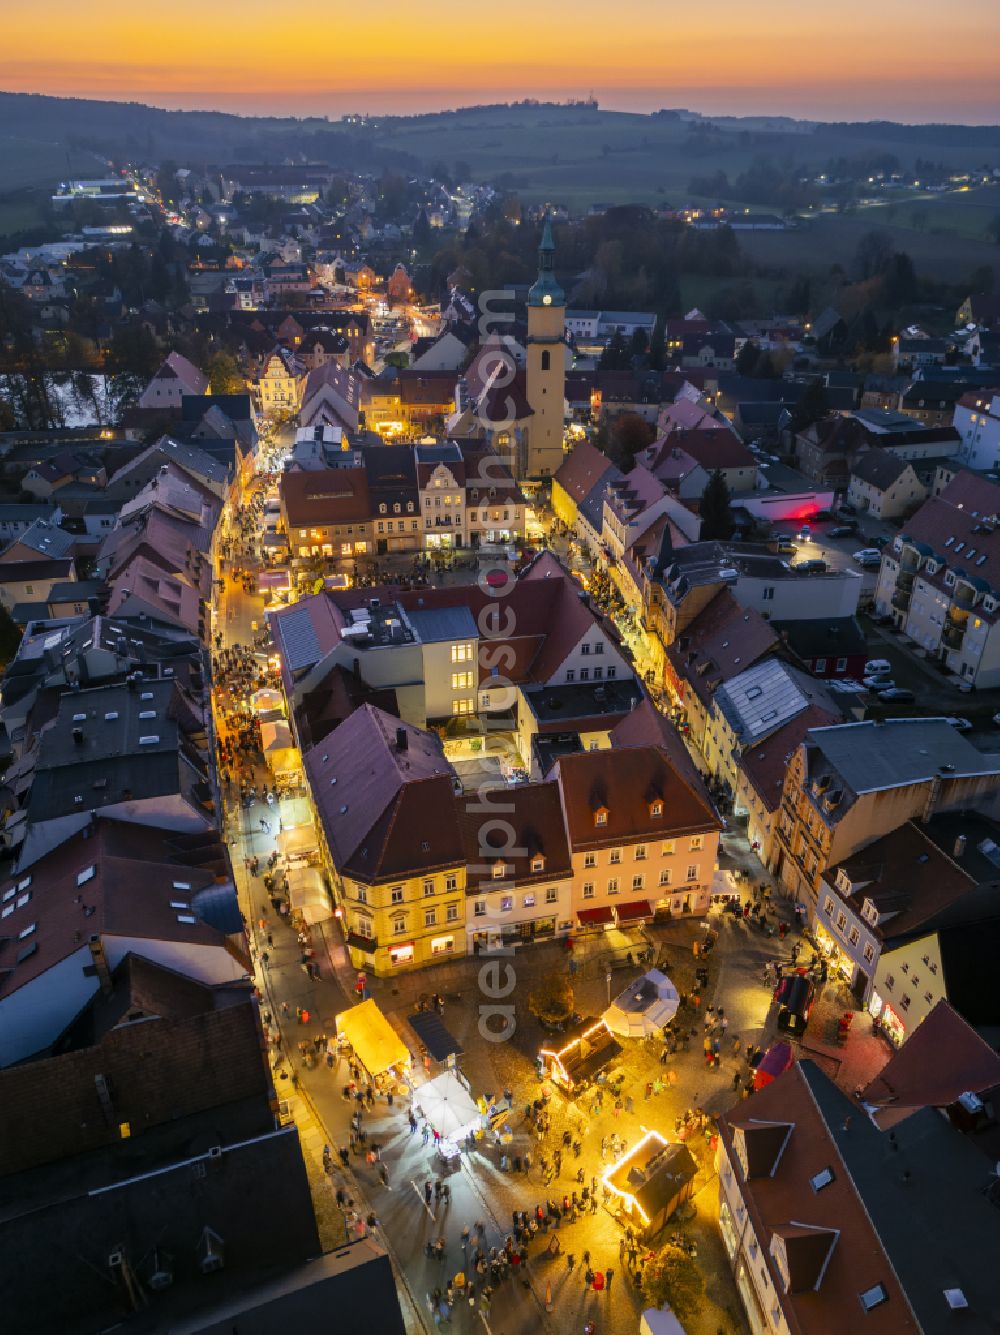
{"x": 794, "y": 995}
{"x": 900, "y": 695}
{"x": 842, "y": 531}
{"x": 996, "y": 720}
{"x": 783, "y": 546}
{"x": 867, "y": 557}
{"x": 879, "y": 541}
{"x": 815, "y": 566}
{"x": 962, "y": 724}
{"x": 877, "y": 667}
{"x": 846, "y": 509}
{"x": 879, "y": 684}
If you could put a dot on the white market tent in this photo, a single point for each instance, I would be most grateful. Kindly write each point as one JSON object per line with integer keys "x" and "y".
{"x": 297, "y": 841}
{"x": 447, "y": 1104}
{"x": 307, "y": 894}
{"x": 644, "y": 1007}
{"x": 267, "y": 698}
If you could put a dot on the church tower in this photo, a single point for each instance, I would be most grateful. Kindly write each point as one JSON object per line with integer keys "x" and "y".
{"x": 546, "y": 370}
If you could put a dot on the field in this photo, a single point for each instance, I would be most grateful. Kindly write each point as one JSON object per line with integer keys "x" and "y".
{"x": 947, "y": 247}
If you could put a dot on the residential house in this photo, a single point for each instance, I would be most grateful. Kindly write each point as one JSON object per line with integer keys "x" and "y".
{"x": 848, "y": 785}
{"x": 825, "y": 1216}
{"x": 519, "y": 880}
{"x": 441, "y": 482}
{"x": 331, "y": 397}
{"x": 747, "y": 709}
{"x": 640, "y": 836}
{"x": 327, "y": 512}
{"x": 43, "y": 540}
{"x": 32, "y": 582}
{"x": 977, "y": 420}
{"x": 107, "y": 892}
{"x": 760, "y": 777}
{"x": 708, "y": 647}
{"x": 278, "y": 384}
{"x": 913, "y": 353}
{"x": 884, "y": 912}
{"x": 940, "y": 579}
{"x": 979, "y": 308}
{"x": 580, "y": 472}
{"x": 715, "y": 452}
{"x": 829, "y": 647}
{"x": 175, "y": 378}
{"x": 884, "y": 485}
{"x": 384, "y": 800}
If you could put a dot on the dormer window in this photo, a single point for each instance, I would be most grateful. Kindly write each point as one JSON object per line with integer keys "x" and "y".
{"x": 538, "y": 863}
{"x": 601, "y": 816}
{"x": 499, "y": 870}
{"x": 383, "y": 508}
{"x": 656, "y": 808}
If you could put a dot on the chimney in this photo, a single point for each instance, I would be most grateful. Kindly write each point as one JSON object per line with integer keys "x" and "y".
{"x": 101, "y": 965}
{"x": 959, "y": 848}
{"x": 402, "y": 740}
{"x": 78, "y": 736}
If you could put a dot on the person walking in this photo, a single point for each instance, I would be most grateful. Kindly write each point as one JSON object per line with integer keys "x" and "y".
{"x": 609, "y": 1275}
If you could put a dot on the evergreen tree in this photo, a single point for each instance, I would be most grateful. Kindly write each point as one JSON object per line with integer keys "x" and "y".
{"x": 615, "y": 356}
{"x": 811, "y": 407}
{"x": 716, "y": 511}
{"x": 746, "y": 358}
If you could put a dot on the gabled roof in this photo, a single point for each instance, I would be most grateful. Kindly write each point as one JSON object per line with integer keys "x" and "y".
{"x": 533, "y": 821}
{"x": 582, "y": 469}
{"x": 940, "y": 1061}
{"x": 646, "y": 726}
{"x": 760, "y": 700}
{"x": 179, "y": 368}
{"x": 45, "y": 538}
{"x": 765, "y": 762}
{"x": 879, "y": 468}
{"x": 720, "y": 643}
{"x": 627, "y": 783}
{"x": 711, "y": 448}
{"x": 385, "y": 810}
{"x": 325, "y": 496}
{"x": 112, "y": 879}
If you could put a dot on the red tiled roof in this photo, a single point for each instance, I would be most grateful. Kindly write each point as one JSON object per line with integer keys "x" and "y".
{"x": 646, "y": 726}
{"x": 765, "y": 764}
{"x": 582, "y": 469}
{"x": 533, "y": 826}
{"x": 712, "y": 448}
{"x": 626, "y": 782}
{"x": 942, "y": 1059}
{"x": 325, "y": 496}
{"x": 723, "y": 640}
{"x": 780, "y": 1202}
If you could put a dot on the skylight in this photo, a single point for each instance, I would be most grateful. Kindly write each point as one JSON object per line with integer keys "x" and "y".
{"x": 874, "y": 1297}
{"x": 149, "y": 741}
{"x": 822, "y": 1179}
{"x": 186, "y": 917}
{"x": 88, "y": 874}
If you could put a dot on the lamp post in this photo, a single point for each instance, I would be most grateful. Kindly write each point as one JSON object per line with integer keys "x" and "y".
{"x": 607, "y": 979}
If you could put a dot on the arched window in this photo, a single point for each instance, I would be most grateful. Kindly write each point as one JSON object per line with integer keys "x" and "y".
{"x": 546, "y": 360}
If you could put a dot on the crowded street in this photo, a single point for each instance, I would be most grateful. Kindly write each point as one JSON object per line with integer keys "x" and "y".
{"x": 519, "y": 1232}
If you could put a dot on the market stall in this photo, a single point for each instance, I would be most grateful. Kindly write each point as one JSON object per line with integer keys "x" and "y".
{"x": 268, "y": 700}
{"x": 376, "y": 1045}
{"x": 584, "y": 1051}
{"x": 307, "y": 894}
{"x": 280, "y": 751}
{"x": 650, "y": 1181}
{"x": 297, "y": 842}
{"x": 644, "y": 1007}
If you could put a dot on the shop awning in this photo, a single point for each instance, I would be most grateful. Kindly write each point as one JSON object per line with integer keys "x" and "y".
{"x": 274, "y": 579}
{"x": 376, "y": 1044}
{"x": 447, "y": 1104}
{"x": 635, "y": 909}
{"x": 435, "y": 1035}
{"x": 595, "y": 917}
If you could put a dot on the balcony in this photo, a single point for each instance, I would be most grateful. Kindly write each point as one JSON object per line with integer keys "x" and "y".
{"x": 904, "y": 579}
{"x": 901, "y": 599}
{"x": 958, "y": 617}
{"x": 953, "y": 636}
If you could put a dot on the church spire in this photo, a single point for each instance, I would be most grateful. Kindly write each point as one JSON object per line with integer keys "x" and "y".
{"x": 546, "y": 291}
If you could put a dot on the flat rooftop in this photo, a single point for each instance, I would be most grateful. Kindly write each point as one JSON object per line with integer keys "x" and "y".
{"x": 587, "y": 700}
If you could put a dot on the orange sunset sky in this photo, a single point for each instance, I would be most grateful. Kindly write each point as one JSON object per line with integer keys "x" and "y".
{"x": 855, "y": 59}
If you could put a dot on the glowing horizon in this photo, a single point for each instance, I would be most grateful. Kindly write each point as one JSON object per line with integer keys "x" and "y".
{"x": 776, "y": 59}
